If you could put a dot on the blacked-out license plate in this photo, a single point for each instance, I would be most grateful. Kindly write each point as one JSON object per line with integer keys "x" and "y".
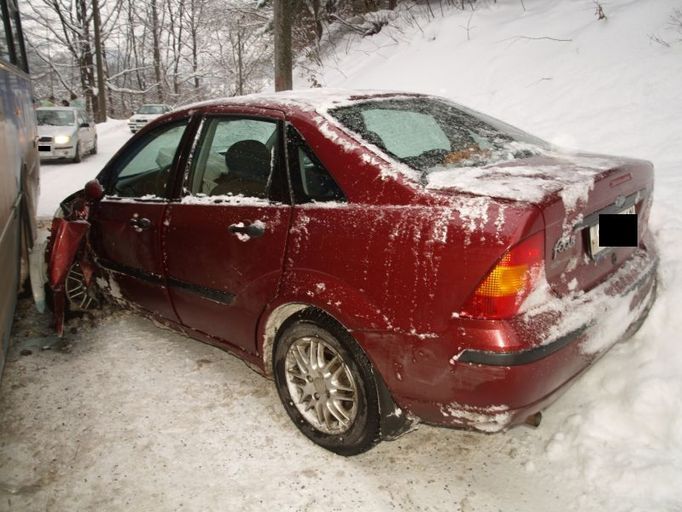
{"x": 623, "y": 237}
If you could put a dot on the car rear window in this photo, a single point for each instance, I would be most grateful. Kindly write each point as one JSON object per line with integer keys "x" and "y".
{"x": 151, "y": 109}
{"x": 429, "y": 134}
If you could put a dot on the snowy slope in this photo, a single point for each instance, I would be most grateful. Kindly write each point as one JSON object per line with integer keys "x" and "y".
{"x": 557, "y": 71}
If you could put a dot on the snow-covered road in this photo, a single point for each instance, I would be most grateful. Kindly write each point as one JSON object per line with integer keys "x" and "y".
{"x": 138, "y": 418}
{"x": 135, "y": 417}
{"x": 59, "y": 179}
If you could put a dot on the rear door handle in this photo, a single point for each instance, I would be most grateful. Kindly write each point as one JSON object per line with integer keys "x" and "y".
{"x": 246, "y": 229}
{"x": 139, "y": 223}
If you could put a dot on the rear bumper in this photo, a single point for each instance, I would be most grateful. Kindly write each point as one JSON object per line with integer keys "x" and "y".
{"x": 644, "y": 282}
{"x": 490, "y": 391}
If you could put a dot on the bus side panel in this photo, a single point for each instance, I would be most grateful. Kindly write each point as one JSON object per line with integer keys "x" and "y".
{"x": 19, "y": 182}
{"x": 9, "y": 263}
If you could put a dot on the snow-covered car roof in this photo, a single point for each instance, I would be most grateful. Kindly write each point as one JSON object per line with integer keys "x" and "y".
{"x": 320, "y": 99}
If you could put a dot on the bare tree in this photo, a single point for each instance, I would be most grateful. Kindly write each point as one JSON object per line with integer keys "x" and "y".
{"x": 100, "y": 113}
{"x": 283, "y": 58}
{"x": 156, "y": 49}
{"x": 78, "y": 28}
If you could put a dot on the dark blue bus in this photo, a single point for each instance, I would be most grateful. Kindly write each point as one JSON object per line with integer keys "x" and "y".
{"x": 19, "y": 167}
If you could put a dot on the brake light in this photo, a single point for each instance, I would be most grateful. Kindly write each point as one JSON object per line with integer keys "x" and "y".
{"x": 509, "y": 282}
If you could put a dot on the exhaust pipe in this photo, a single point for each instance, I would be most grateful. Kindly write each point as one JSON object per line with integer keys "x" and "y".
{"x": 534, "y": 420}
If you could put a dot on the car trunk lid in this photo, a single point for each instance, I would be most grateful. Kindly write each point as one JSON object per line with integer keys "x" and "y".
{"x": 571, "y": 190}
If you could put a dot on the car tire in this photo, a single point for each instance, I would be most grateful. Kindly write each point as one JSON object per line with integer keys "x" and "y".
{"x": 78, "y": 298}
{"x": 77, "y": 157}
{"x": 332, "y": 400}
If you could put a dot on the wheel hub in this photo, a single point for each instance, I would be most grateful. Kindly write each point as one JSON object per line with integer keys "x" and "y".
{"x": 76, "y": 290}
{"x": 321, "y": 385}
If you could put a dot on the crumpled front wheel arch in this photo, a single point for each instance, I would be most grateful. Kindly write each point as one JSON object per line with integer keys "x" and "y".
{"x": 66, "y": 244}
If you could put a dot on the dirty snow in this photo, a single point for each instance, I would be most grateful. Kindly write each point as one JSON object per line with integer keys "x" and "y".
{"x": 489, "y": 419}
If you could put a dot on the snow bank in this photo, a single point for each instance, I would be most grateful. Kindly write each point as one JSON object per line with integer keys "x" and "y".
{"x": 615, "y": 439}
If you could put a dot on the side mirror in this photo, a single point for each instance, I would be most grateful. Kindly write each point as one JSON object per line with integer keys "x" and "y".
{"x": 93, "y": 191}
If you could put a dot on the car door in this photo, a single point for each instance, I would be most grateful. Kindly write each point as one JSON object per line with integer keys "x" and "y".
{"x": 84, "y": 133}
{"x": 225, "y": 239}
{"x": 128, "y": 222}
{"x": 92, "y": 132}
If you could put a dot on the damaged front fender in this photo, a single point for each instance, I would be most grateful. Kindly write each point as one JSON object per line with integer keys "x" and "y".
{"x": 66, "y": 239}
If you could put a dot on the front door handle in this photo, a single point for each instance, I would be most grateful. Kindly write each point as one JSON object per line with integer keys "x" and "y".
{"x": 139, "y": 223}
{"x": 245, "y": 230}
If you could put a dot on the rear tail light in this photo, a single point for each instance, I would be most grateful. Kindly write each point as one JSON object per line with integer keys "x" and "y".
{"x": 509, "y": 282}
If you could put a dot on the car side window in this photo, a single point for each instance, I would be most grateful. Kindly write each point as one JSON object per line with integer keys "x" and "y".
{"x": 311, "y": 180}
{"x": 235, "y": 157}
{"x": 145, "y": 171}
{"x": 81, "y": 119}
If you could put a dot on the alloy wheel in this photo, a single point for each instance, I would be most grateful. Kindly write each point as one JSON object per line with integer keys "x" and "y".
{"x": 321, "y": 385}
{"x": 76, "y": 290}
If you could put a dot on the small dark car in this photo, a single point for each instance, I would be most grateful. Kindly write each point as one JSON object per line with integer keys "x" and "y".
{"x": 386, "y": 257}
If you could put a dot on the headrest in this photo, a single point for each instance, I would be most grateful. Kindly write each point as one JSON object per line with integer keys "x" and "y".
{"x": 248, "y": 159}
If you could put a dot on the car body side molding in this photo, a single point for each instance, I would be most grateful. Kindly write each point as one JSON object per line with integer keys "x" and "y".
{"x": 220, "y": 296}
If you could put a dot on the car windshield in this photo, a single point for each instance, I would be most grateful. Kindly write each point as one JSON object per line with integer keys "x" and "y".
{"x": 150, "y": 109}
{"x": 55, "y": 117}
{"x": 430, "y": 134}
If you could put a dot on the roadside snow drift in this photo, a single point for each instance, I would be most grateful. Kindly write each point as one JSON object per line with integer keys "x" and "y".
{"x": 605, "y": 86}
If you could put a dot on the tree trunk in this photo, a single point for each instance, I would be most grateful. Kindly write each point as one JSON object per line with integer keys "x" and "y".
{"x": 156, "y": 50}
{"x": 195, "y": 49}
{"x": 283, "y": 60}
{"x": 178, "y": 50}
{"x": 101, "y": 113}
{"x": 87, "y": 65}
{"x": 240, "y": 79}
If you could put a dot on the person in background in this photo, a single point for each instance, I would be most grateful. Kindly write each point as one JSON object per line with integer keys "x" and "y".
{"x": 77, "y": 102}
{"x": 49, "y": 102}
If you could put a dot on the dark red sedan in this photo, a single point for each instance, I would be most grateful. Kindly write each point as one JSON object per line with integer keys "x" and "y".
{"x": 386, "y": 257}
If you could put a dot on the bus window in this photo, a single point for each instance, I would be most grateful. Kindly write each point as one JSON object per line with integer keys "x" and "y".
{"x": 12, "y": 47}
{"x": 4, "y": 49}
{"x": 6, "y": 42}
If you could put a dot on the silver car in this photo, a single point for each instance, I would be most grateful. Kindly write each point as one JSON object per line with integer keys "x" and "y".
{"x": 65, "y": 133}
{"x": 145, "y": 114}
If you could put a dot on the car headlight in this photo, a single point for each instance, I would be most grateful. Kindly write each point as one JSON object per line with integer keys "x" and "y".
{"x": 62, "y": 139}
